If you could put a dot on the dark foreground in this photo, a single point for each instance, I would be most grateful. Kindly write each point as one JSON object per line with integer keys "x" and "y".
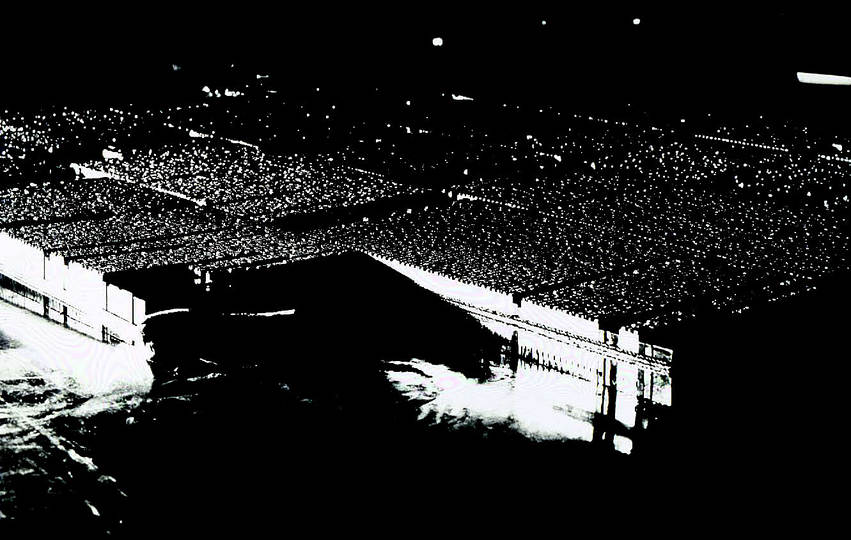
{"x": 258, "y": 422}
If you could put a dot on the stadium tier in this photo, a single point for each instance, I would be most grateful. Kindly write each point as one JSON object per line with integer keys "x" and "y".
{"x": 628, "y": 222}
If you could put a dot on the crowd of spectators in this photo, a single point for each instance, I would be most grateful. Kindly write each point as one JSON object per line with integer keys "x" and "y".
{"x": 41, "y": 144}
{"x": 641, "y": 225}
{"x": 138, "y": 228}
{"x": 224, "y": 248}
{"x": 246, "y": 182}
{"x": 601, "y": 217}
{"x": 49, "y": 202}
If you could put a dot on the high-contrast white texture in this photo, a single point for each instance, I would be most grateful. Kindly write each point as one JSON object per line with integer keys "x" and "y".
{"x": 542, "y": 405}
{"x": 821, "y": 78}
{"x": 112, "y": 154}
{"x": 70, "y": 360}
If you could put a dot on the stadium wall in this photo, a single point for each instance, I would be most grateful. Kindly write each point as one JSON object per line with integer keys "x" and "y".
{"x": 489, "y": 299}
{"x": 529, "y": 312}
{"x": 68, "y": 293}
{"x": 648, "y": 380}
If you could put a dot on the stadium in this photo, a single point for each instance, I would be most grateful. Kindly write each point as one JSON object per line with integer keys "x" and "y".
{"x": 592, "y": 271}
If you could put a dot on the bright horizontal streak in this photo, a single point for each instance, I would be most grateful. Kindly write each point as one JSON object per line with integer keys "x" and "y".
{"x": 820, "y": 78}
{"x": 265, "y": 313}
{"x": 167, "y": 312}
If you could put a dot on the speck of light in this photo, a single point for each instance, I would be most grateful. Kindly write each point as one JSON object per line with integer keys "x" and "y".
{"x": 437, "y": 42}
{"x": 636, "y": 21}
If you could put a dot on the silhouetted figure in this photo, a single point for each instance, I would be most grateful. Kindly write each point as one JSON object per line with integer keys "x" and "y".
{"x": 485, "y": 371}
{"x": 514, "y": 355}
{"x": 604, "y": 419}
{"x": 612, "y": 390}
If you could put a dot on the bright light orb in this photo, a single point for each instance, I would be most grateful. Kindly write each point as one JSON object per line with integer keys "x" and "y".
{"x": 636, "y": 21}
{"x": 437, "y": 42}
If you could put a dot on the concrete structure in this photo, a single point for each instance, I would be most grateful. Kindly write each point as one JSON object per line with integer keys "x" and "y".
{"x": 79, "y": 298}
{"x": 68, "y": 293}
{"x": 554, "y": 339}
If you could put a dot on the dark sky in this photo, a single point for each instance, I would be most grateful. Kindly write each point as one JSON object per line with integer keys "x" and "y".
{"x": 697, "y": 56}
